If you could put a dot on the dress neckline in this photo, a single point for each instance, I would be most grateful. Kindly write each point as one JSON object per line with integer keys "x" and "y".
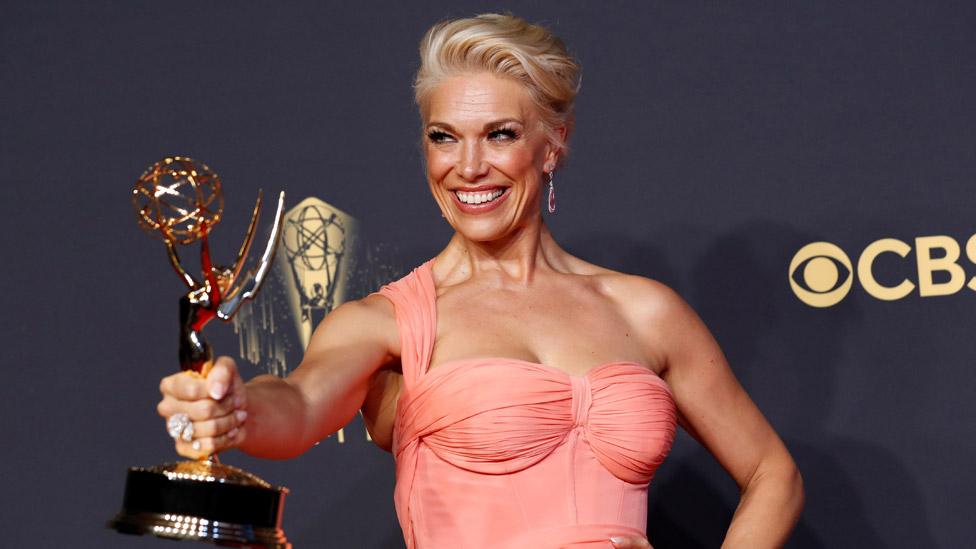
{"x": 456, "y": 363}
{"x": 427, "y": 271}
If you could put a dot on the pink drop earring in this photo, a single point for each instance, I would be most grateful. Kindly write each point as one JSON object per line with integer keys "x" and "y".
{"x": 552, "y": 193}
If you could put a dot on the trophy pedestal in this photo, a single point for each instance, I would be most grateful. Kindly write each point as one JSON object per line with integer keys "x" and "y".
{"x": 202, "y": 501}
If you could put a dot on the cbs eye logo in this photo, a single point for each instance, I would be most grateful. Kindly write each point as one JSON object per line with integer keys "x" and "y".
{"x": 821, "y": 274}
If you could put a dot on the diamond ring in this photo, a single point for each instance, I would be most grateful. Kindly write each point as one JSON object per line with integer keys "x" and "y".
{"x": 180, "y": 426}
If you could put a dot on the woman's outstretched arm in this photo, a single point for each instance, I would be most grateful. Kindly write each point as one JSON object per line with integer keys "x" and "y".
{"x": 281, "y": 418}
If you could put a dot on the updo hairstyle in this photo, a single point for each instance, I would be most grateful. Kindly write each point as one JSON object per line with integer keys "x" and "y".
{"x": 508, "y": 47}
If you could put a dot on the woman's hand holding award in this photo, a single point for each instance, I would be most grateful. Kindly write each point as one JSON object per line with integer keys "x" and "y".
{"x": 180, "y": 201}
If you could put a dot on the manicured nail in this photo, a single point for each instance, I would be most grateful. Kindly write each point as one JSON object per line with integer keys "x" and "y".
{"x": 241, "y": 415}
{"x": 232, "y": 433}
{"x": 238, "y": 400}
{"x": 616, "y": 539}
{"x": 217, "y": 391}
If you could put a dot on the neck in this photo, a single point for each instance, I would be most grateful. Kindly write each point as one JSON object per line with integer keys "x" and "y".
{"x": 516, "y": 258}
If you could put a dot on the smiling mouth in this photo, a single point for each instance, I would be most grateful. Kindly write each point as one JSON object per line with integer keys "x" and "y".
{"x": 480, "y": 197}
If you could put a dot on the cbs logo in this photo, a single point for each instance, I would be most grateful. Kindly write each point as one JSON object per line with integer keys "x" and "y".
{"x": 822, "y": 275}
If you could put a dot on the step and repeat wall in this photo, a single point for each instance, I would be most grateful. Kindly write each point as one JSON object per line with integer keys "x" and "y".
{"x": 802, "y": 173}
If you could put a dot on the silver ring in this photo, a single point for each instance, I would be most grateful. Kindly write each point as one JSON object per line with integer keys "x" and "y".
{"x": 180, "y": 426}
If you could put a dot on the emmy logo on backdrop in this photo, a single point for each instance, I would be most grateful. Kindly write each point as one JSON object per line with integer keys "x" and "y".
{"x": 316, "y": 239}
{"x": 180, "y": 201}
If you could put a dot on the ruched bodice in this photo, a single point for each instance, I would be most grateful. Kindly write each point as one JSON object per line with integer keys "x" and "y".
{"x": 500, "y": 452}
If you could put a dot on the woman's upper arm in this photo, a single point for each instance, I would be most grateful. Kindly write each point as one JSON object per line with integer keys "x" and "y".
{"x": 346, "y": 349}
{"x": 712, "y": 405}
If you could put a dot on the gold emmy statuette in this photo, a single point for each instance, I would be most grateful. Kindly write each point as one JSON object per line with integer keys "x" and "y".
{"x": 180, "y": 201}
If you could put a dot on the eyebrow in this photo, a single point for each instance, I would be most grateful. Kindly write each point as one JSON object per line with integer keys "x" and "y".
{"x": 488, "y": 126}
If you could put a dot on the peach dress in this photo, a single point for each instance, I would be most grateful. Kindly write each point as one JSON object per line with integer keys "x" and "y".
{"x": 509, "y": 454}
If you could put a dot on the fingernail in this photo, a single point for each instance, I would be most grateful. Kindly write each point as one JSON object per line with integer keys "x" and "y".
{"x": 232, "y": 433}
{"x": 241, "y": 415}
{"x": 217, "y": 391}
{"x": 239, "y": 399}
{"x": 616, "y": 539}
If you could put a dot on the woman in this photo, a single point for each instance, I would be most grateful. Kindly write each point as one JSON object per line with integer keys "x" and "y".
{"x": 527, "y": 395}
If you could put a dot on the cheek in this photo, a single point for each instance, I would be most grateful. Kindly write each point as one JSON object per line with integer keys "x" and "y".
{"x": 518, "y": 161}
{"x": 438, "y": 162}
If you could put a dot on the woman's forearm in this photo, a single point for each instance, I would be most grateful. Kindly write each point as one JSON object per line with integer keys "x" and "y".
{"x": 768, "y": 509}
{"x": 276, "y": 419}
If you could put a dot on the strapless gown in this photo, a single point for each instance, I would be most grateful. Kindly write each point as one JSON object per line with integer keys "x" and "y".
{"x": 509, "y": 454}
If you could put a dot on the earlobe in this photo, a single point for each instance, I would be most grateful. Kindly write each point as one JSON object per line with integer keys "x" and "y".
{"x": 552, "y": 156}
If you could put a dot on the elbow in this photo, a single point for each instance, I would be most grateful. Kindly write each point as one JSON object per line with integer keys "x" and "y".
{"x": 791, "y": 491}
{"x": 798, "y": 490}
{"x": 795, "y": 497}
{"x": 783, "y": 484}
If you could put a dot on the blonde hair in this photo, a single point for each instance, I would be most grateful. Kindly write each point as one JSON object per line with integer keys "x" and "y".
{"x": 509, "y": 47}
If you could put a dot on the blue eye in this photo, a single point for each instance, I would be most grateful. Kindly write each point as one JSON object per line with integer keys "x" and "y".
{"x": 437, "y": 136}
{"x": 504, "y": 134}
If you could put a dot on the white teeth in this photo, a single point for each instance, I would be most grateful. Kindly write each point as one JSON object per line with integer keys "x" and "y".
{"x": 479, "y": 197}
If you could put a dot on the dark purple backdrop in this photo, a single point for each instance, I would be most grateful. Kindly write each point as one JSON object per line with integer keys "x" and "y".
{"x": 713, "y": 141}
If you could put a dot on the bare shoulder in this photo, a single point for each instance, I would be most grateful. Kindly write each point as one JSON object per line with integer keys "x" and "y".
{"x": 373, "y": 310}
{"x": 374, "y": 306}
{"x": 662, "y": 320}
{"x": 640, "y": 298}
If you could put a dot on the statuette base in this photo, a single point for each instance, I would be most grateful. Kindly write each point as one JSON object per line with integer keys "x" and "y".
{"x": 202, "y": 501}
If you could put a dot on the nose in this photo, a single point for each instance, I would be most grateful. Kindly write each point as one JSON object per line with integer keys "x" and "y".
{"x": 471, "y": 165}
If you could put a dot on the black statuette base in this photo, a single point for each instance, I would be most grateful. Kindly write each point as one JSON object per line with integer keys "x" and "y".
{"x": 202, "y": 501}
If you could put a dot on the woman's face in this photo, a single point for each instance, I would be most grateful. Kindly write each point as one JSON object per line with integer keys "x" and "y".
{"x": 486, "y": 151}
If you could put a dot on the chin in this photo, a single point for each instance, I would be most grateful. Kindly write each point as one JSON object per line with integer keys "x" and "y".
{"x": 481, "y": 236}
{"x": 482, "y": 231}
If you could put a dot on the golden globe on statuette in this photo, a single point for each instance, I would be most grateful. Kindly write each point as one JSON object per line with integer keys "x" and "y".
{"x": 180, "y": 200}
